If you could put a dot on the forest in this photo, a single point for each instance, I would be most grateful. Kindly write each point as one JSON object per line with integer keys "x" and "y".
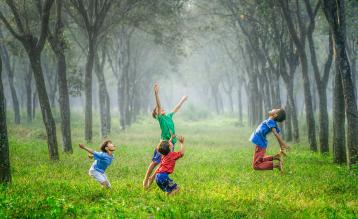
{"x": 75, "y": 74}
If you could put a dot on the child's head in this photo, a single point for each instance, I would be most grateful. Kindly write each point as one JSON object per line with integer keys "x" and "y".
{"x": 164, "y": 147}
{"x": 279, "y": 115}
{"x": 107, "y": 146}
{"x": 155, "y": 112}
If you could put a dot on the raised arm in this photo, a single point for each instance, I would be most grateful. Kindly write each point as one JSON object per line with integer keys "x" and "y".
{"x": 157, "y": 100}
{"x": 182, "y": 148}
{"x": 283, "y": 145}
{"x": 178, "y": 106}
{"x": 89, "y": 150}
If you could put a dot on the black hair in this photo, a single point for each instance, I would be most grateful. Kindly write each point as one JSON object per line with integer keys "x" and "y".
{"x": 104, "y": 145}
{"x": 281, "y": 115}
{"x": 164, "y": 147}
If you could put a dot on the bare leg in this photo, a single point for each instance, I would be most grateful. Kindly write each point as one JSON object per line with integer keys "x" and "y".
{"x": 151, "y": 180}
{"x": 150, "y": 169}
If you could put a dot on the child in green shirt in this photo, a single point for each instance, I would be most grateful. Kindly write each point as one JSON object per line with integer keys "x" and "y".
{"x": 167, "y": 127}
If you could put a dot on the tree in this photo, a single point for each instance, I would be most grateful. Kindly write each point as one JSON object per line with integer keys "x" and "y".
{"x": 321, "y": 81}
{"x": 5, "y": 173}
{"x": 10, "y": 68}
{"x": 299, "y": 41}
{"x": 92, "y": 16}
{"x": 335, "y": 15}
{"x": 34, "y": 46}
{"x": 58, "y": 45}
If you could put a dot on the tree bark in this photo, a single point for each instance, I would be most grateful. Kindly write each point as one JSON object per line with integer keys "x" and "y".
{"x": 104, "y": 104}
{"x": 335, "y": 15}
{"x": 10, "y": 72}
{"x": 58, "y": 45}
{"x": 300, "y": 45}
{"x": 5, "y": 172}
{"x": 28, "y": 80}
{"x": 88, "y": 91}
{"x": 48, "y": 119}
{"x": 339, "y": 138}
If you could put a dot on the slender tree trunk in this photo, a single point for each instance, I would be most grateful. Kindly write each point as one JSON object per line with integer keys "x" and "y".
{"x": 34, "y": 104}
{"x": 88, "y": 90}
{"x": 5, "y": 172}
{"x": 308, "y": 105}
{"x": 28, "y": 80}
{"x": 49, "y": 122}
{"x": 323, "y": 120}
{"x": 339, "y": 139}
{"x": 64, "y": 102}
{"x": 288, "y": 122}
{"x": 239, "y": 95}
{"x": 10, "y": 71}
{"x": 103, "y": 97}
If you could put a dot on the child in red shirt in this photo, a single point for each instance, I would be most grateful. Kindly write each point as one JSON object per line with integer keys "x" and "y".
{"x": 167, "y": 165}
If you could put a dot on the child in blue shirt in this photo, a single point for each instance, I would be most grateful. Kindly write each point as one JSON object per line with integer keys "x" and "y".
{"x": 101, "y": 161}
{"x": 258, "y": 137}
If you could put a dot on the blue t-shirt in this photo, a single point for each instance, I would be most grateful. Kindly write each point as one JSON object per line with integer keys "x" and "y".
{"x": 102, "y": 161}
{"x": 258, "y": 137}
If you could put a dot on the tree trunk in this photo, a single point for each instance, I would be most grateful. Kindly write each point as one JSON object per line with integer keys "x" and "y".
{"x": 339, "y": 139}
{"x": 28, "y": 79}
{"x": 239, "y": 95}
{"x": 64, "y": 102}
{"x": 5, "y": 172}
{"x": 293, "y": 111}
{"x": 10, "y": 72}
{"x": 311, "y": 127}
{"x": 334, "y": 11}
{"x": 103, "y": 96}
{"x": 34, "y": 104}
{"x": 88, "y": 91}
{"x": 300, "y": 45}
{"x": 47, "y": 117}
{"x": 323, "y": 120}
{"x": 288, "y": 122}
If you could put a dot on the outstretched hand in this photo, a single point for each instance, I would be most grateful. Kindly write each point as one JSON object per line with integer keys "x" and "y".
{"x": 181, "y": 139}
{"x": 81, "y": 146}
{"x": 156, "y": 88}
{"x": 184, "y": 98}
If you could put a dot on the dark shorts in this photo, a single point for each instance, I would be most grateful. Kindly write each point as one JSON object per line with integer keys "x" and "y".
{"x": 165, "y": 183}
{"x": 157, "y": 156}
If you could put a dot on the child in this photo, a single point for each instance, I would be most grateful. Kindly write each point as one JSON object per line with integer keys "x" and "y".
{"x": 102, "y": 161}
{"x": 258, "y": 137}
{"x": 167, "y": 127}
{"x": 167, "y": 165}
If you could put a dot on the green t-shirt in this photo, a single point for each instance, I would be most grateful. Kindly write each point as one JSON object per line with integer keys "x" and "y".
{"x": 167, "y": 125}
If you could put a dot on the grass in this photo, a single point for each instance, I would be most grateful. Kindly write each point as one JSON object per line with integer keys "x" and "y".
{"x": 215, "y": 175}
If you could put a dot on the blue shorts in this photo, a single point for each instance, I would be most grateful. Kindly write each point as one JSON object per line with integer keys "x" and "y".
{"x": 164, "y": 182}
{"x": 157, "y": 156}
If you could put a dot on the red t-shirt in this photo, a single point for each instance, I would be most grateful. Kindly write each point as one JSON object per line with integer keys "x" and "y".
{"x": 167, "y": 163}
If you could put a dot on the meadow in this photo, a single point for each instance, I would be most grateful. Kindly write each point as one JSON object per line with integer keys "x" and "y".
{"x": 215, "y": 176}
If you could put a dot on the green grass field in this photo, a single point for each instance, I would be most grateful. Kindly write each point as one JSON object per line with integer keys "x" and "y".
{"x": 215, "y": 177}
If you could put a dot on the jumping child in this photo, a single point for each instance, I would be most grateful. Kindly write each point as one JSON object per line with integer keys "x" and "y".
{"x": 102, "y": 160}
{"x": 167, "y": 127}
{"x": 258, "y": 137}
{"x": 167, "y": 165}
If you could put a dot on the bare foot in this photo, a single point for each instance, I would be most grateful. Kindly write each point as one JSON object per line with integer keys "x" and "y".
{"x": 277, "y": 156}
{"x": 280, "y": 166}
{"x": 145, "y": 183}
{"x": 175, "y": 191}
